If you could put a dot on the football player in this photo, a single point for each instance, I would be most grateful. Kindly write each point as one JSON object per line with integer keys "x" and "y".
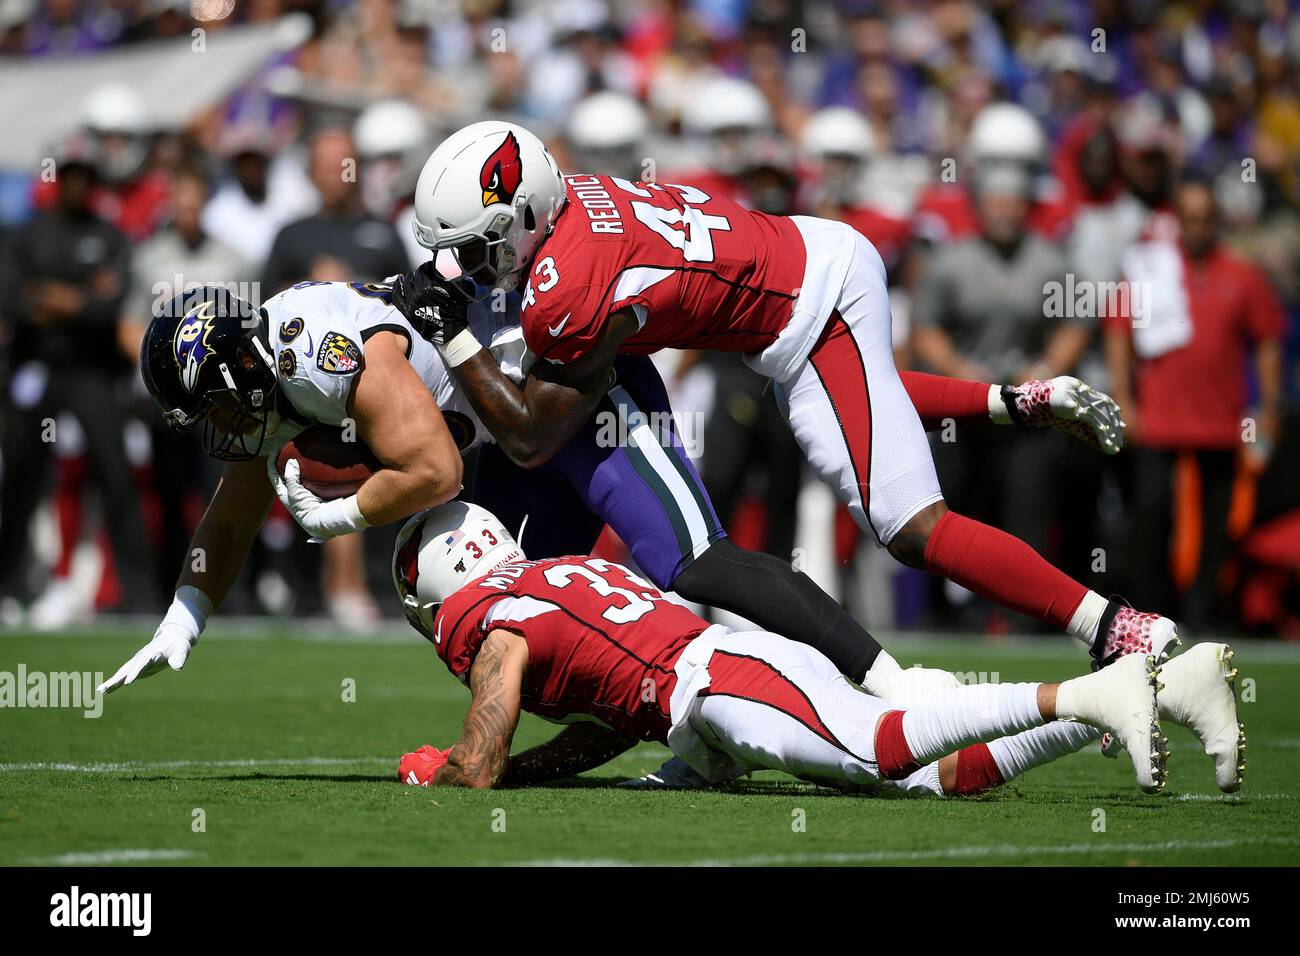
{"x": 334, "y": 352}
{"x": 610, "y": 267}
{"x": 588, "y": 643}
{"x": 250, "y": 378}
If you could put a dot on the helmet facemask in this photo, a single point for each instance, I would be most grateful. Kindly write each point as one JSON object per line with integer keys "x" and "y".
{"x": 242, "y": 439}
{"x": 492, "y": 258}
{"x": 234, "y": 425}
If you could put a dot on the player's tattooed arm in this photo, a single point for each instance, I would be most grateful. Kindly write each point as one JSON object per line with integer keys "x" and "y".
{"x": 479, "y": 758}
{"x": 574, "y": 750}
{"x": 532, "y": 423}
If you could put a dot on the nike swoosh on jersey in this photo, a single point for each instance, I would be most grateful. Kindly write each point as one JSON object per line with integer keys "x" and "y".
{"x": 559, "y": 327}
{"x": 308, "y": 351}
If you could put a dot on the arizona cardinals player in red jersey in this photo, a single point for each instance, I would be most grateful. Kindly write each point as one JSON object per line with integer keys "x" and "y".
{"x": 586, "y": 642}
{"x": 610, "y": 266}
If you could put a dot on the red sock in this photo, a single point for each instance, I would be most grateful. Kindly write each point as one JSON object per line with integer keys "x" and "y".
{"x": 893, "y": 756}
{"x": 1002, "y": 568}
{"x": 976, "y": 770}
{"x": 937, "y": 398}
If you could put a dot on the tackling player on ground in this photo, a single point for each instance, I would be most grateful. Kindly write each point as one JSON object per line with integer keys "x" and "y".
{"x": 588, "y": 643}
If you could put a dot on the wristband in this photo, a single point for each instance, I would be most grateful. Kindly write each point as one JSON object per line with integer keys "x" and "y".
{"x": 463, "y": 347}
{"x": 341, "y": 516}
{"x": 999, "y": 411}
{"x": 189, "y": 610}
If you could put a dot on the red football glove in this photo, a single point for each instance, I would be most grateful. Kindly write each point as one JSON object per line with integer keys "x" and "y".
{"x": 418, "y": 768}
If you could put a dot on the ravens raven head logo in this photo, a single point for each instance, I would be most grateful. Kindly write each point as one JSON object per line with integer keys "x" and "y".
{"x": 502, "y": 173}
{"x": 190, "y": 345}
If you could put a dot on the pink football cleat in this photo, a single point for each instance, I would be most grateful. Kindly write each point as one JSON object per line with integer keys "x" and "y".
{"x": 1068, "y": 405}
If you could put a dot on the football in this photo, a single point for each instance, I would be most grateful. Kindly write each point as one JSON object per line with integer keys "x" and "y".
{"x": 331, "y": 466}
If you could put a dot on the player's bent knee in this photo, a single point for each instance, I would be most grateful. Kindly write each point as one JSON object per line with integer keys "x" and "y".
{"x": 908, "y": 546}
{"x": 709, "y": 574}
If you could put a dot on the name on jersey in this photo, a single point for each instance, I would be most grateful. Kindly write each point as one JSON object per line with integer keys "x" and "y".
{"x": 595, "y": 200}
{"x": 504, "y": 577}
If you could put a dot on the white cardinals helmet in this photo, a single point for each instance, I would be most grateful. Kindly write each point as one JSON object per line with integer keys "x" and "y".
{"x": 726, "y": 117}
{"x": 117, "y": 120}
{"x": 837, "y": 131}
{"x": 1006, "y": 132}
{"x": 835, "y": 146}
{"x": 491, "y": 192}
{"x": 440, "y": 550}
{"x": 389, "y": 128}
{"x": 607, "y": 134}
{"x": 392, "y": 138}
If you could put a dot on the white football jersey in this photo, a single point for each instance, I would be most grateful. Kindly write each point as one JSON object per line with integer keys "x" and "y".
{"x": 318, "y": 331}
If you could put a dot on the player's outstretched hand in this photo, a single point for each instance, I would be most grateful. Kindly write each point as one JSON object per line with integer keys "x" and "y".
{"x": 418, "y": 768}
{"x": 1067, "y": 404}
{"x": 321, "y": 520}
{"x": 170, "y": 646}
{"x": 432, "y": 304}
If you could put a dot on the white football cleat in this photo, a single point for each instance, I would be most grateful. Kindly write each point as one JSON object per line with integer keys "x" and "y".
{"x": 1122, "y": 699}
{"x": 1068, "y": 405}
{"x": 676, "y": 774}
{"x": 1198, "y": 691}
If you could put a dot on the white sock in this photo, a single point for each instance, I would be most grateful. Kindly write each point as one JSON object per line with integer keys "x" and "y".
{"x": 1024, "y": 751}
{"x": 968, "y": 715}
{"x": 884, "y": 670}
{"x": 923, "y": 781}
{"x": 1086, "y": 617}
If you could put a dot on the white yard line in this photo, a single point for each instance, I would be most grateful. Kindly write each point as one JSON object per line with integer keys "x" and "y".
{"x": 956, "y": 853}
{"x": 97, "y": 857}
{"x": 130, "y": 766}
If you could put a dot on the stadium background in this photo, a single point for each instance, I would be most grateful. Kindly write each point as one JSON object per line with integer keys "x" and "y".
{"x": 153, "y": 142}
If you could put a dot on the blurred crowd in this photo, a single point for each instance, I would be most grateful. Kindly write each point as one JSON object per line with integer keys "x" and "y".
{"x": 1106, "y": 189}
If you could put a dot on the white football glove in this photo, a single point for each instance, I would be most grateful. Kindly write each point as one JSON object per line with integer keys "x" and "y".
{"x": 171, "y": 645}
{"x": 321, "y": 520}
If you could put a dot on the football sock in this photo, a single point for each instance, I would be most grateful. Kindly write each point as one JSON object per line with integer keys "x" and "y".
{"x": 937, "y": 398}
{"x": 976, "y": 770}
{"x": 908, "y": 739}
{"x": 1085, "y": 621}
{"x": 1002, "y": 568}
{"x": 1024, "y": 751}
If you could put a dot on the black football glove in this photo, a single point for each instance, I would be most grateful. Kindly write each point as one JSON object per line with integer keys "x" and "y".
{"x": 436, "y": 309}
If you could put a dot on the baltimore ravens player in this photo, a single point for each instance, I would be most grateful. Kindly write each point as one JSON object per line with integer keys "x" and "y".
{"x": 326, "y": 352}
{"x": 253, "y": 378}
{"x": 588, "y": 643}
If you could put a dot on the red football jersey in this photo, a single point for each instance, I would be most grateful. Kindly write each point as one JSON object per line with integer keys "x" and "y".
{"x": 946, "y": 213}
{"x": 889, "y": 235}
{"x": 602, "y": 642}
{"x": 709, "y": 273}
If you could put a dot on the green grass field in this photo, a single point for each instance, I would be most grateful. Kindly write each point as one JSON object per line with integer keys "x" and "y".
{"x": 255, "y": 733}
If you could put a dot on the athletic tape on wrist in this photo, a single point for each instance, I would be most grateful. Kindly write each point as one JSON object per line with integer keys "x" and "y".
{"x": 461, "y": 348}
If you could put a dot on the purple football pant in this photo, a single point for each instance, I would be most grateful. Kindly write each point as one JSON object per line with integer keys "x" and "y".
{"x": 627, "y": 467}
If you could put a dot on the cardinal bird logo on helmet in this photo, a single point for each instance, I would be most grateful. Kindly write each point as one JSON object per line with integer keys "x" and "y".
{"x": 502, "y": 172}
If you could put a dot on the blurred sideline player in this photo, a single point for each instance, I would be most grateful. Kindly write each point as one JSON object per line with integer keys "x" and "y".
{"x": 588, "y": 643}
{"x": 1002, "y": 134}
{"x": 835, "y": 148}
{"x": 609, "y": 131}
{"x": 610, "y": 267}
